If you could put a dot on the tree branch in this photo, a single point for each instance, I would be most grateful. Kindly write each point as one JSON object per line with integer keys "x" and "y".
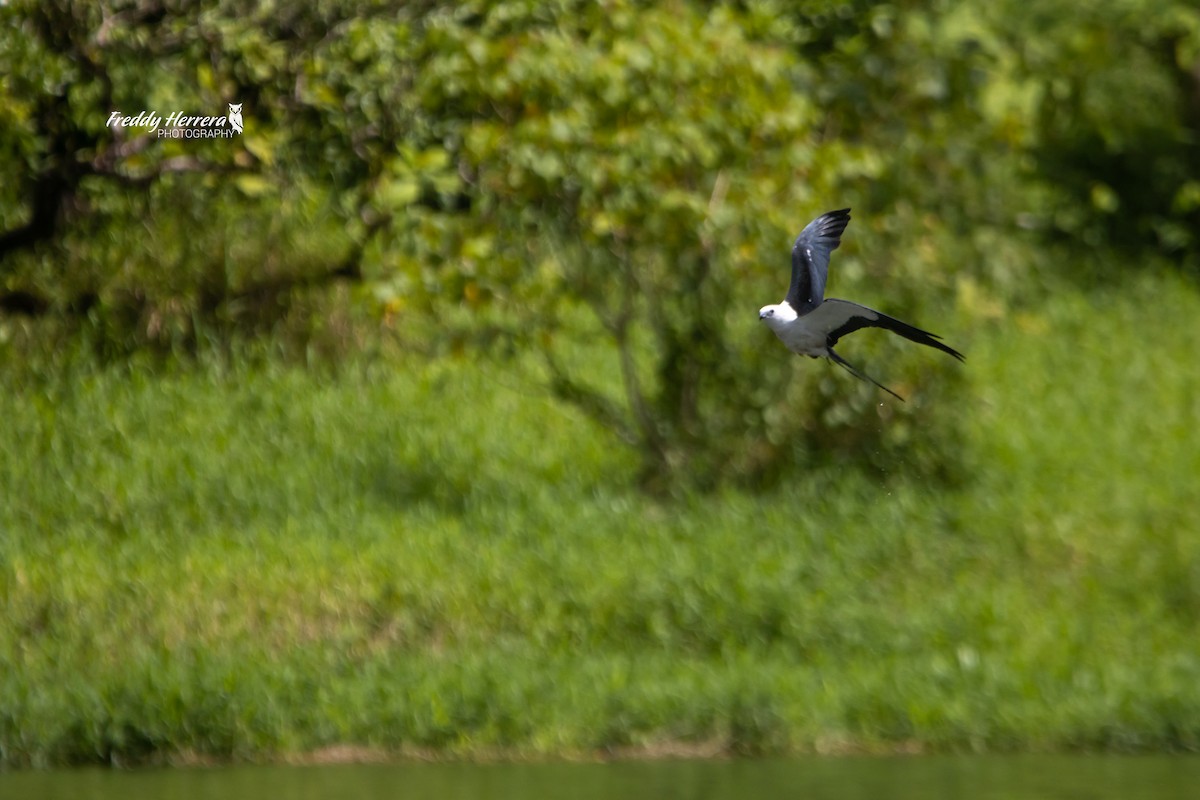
{"x": 629, "y": 375}
{"x": 588, "y": 400}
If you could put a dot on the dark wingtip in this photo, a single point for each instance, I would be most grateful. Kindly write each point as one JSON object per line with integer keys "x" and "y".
{"x": 828, "y": 227}
{"x": 840, "y": 217}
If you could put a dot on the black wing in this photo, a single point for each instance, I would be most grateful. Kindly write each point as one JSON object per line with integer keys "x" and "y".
{"x": 864, "y": 317}
{"x": 810, "y": 259}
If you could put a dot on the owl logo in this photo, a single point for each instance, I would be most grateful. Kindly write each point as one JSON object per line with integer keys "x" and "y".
{"x": 235, "y": 116}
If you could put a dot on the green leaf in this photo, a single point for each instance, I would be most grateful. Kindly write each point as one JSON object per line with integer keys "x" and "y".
{"x": 253, "y": 185}
{"x": 398, "y": 193}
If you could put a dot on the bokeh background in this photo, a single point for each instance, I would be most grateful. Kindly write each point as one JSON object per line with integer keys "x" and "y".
{"x": 431, "y": 413}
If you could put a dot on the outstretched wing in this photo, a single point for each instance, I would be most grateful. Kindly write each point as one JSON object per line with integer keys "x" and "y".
{"x": 810, "y": 259}
{"x": 841, "y": 317}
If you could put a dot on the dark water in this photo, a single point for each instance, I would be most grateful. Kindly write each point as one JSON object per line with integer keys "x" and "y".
{"x": 900, "y": 778}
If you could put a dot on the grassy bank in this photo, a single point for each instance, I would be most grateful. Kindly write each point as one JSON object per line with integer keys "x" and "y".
{"x": 248, "y": 561}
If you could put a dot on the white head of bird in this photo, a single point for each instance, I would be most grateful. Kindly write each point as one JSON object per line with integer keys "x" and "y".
{"x": 778, "y": 315}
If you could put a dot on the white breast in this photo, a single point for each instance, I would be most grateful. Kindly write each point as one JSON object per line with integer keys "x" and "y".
{"x": 800, "y": 337}
{"x": 807, "y": 335}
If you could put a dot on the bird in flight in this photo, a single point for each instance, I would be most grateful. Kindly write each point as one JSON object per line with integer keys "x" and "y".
{"x": 811, "y": 325}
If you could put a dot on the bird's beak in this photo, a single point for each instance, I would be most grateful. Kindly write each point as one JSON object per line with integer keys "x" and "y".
{"x": 761, "y": 315}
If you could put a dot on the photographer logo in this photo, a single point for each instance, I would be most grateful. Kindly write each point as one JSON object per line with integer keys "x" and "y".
{"x": 181, "y": 125}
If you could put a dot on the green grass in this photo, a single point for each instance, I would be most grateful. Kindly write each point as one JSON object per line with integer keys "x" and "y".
{"x": 257, "y": 560}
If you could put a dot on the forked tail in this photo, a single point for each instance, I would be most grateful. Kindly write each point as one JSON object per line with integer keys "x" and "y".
{"x": 862, "y": 376}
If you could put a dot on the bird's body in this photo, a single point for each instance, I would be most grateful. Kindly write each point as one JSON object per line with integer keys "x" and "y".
{"x": 809, "y": 324}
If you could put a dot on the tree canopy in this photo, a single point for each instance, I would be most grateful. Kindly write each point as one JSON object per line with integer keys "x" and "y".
{"x": 604, "y": 192}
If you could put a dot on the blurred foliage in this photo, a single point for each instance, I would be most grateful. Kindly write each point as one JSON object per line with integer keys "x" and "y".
{"x": 262, "y": 560}
{"x": 612, "y": 186}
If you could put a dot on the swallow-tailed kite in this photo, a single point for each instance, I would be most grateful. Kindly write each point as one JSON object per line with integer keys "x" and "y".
{"x": 811, "y": 325}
